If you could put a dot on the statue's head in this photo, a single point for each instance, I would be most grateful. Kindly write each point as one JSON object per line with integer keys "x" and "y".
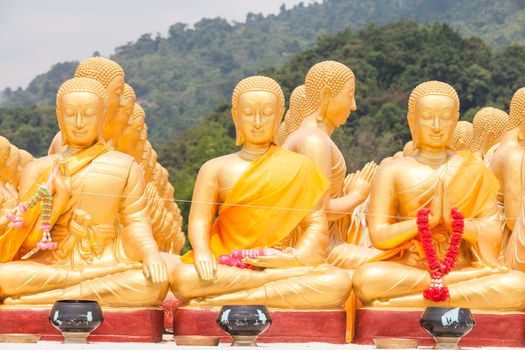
{"x": 131, "y": 135}
{"x": 164, "y": 179}
{"x": 330, "y": 92}
{"x": 433, "y": 112}
{"x": 81, "y": 107}
{"x": 517, "y": 108}
{"x": 462, "y": 138}
{"x": 10, "y": 169}
{"x": 5, "y": 150}
{"x": 25, "y": 159}
{"x": 127, "y": 103}
{"x": 489, "y": 125}
{"x": 294, "y": 116}
{"x": 110, "y": 74}
{"x": 257, "y": 110}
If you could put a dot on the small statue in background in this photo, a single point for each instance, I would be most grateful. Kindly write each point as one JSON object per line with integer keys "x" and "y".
{"x": 489, "y": 125}
{"x": 463, "y": 137}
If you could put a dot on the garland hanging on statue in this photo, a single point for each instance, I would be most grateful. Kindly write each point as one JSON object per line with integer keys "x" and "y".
{"x": 439, "y": 269}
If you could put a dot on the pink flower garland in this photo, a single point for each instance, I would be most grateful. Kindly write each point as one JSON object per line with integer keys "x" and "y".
{"x": 439, "y": 269}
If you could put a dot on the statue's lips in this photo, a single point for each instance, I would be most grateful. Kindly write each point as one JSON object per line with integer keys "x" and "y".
{"x": 83, "y": 132}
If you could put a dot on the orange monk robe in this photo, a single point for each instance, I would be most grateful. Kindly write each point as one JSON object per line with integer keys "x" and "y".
{"x": 16, "y": 242}
{"x": 267, "y": 203}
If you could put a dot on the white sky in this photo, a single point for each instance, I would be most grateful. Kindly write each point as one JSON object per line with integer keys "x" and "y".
{"x": 35, "y": 34}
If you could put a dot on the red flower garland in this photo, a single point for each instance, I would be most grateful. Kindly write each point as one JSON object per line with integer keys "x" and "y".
{"x": 437, "y": 269}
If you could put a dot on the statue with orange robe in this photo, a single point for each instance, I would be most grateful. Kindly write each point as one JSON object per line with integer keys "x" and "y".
{"x": 435, "y": 178}
{"x": 263, "y": 197}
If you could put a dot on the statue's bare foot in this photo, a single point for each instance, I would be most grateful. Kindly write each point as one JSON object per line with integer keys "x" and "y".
{"x": 198, "y": 302}
{"x": 380, "y": 303}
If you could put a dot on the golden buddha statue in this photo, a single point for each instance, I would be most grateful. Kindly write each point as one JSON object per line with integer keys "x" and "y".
{"x": 507, "y": 164}
{"x": 10, "y": 172}
{"x": 488, "y": 126}
{"x": 95, "y": 258}
{"x": 7, "y": 200}
{"x": 130, "y": 140}
{"x": 293, "y": 117}
{"x": 125, "y": 110}
{"x": 463, "y": 137}
{"x": 263, "y": 196}
{"x": 437, "y": 179}
{"x": 408, "y": 148}
{"x": 25, "y": 159}
{"x": 328, "y": 101}
{"x": 111, "y": 75}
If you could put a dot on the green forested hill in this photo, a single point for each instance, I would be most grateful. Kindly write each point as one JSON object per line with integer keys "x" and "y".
{"x": 388, "y": 62}
{"x": 186, "y": 75}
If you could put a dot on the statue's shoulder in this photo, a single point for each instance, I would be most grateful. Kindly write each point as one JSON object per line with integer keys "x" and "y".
{"x": 215, "y": 165}
{"x": 308, "y": 137}
{"x": 117, "y": 158}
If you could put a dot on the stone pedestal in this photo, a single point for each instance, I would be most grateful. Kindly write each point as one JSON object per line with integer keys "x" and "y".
{"x": 497, "y": 330}
{"x": 120, "y": 324}
{"x": 287, "y": 326}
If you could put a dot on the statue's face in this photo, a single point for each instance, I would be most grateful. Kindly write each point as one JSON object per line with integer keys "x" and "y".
{"x": 124, "y": 112}
{"x": 114, "y": 91}
{"x": 435, "y": 118}
{"x": 341, "y": 105}
{"x": 257, "y": 116}
{"x": 10, "y": 168}
{"x": 81, "y": 114}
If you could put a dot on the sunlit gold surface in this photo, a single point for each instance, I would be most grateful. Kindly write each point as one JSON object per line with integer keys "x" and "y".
{"x": 117, "y": 265}
{"x": 507, "y": 163}
{"x": 440, "y": 180}
{"x": 292, "y": 280}
{"x": 462, "y": 138}
{"x": 489, "y": 124}
{"x": 328, "y": 102}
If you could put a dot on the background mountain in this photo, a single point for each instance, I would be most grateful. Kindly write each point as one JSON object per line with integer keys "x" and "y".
{"x": 185, "y": 76}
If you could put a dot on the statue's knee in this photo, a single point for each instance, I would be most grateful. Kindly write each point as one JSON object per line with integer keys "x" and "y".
{"x": 365, "y": 281}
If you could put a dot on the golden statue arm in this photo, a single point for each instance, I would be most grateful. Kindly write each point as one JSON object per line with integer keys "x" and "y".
{"x": 385, "y": 232}
{"x": 312, "y": 247}
{"x": 203, "y": 209}
{"x": 138, "y": 240}
{"x": 318, "y": 150}
{"x": 512, "y": 192}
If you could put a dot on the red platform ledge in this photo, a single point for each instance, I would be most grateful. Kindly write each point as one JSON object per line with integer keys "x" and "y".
{"x": 120, "y": 324}
{"x": 295, "y": 326}
{"x": 503, "y": 329}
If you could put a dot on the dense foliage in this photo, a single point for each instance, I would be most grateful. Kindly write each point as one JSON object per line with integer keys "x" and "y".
{"x": 388, "y": 62}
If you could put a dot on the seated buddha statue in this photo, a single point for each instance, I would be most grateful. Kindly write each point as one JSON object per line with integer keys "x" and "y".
{"x": 329, "y": 91}
{"x": 111, "y": 75}
{"x": 437, "y": 179}
{"x": 94, "y": 258}
{"x": 507, "y": 165}
{"x": 260, "y": 197}
{"x": 488, "y": 126}
{"x": 132, "y": 140}
{"x": 10, "y": 171}
{"x": 463, "y": 137}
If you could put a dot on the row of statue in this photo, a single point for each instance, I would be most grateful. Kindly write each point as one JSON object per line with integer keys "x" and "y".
{"x": 312, "y": 235}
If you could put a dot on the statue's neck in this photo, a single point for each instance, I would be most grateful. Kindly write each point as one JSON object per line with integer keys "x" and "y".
{"x": 433, "y": 157}
{"x": 312, "y": 120}
{"x": 251, "y": 152}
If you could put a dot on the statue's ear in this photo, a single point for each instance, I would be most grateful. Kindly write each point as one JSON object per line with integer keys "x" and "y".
{"x": 239, "y": 138}
{"x": 324, "y": 100}
{"x": 413, "y": 132}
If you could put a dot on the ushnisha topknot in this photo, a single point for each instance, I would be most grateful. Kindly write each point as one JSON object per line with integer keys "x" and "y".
{"x": 101, "y": 69}
{"x": 488, "y": 120}
{"x": 432, "y": 87}
{"x": 517, "y": 108}
{"x": 257, "y": 83}
{"x": 462, "y": 138}
{"x": 294, "y": 116}
{"x": 82, "y": 84}
{"x": 128, "y": 92}
{"x": 330, "y": 74}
